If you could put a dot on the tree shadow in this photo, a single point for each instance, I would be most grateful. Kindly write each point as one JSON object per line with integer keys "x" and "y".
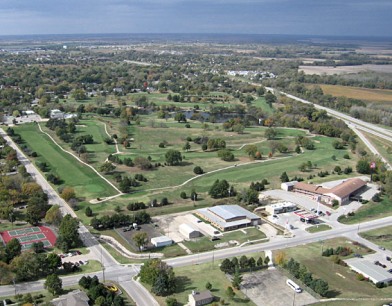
{"x": 332, "y": 293}
{"x": 183, "y": 284}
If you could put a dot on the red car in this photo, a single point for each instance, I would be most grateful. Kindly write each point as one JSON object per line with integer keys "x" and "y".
{"x": 328, "y": 213}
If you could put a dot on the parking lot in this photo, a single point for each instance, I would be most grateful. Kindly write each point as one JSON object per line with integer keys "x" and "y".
{"x": 268, "y": 287}
{"x": 151, "y": 229}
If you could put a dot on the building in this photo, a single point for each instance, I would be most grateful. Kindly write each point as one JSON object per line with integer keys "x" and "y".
{"x": 228, "y": 217}
{"x": 161, "y": 241}
{"x": 288, "y": 186}
{"x": 340, "y": 193}
{"x": 279, "y": 208}
{"x": 369, "y": 270}
{"x": 188, "y": 231}
{"x": 200, "y": 298}
{"x": 74, "y": 298}
{"x": 56, "y": 114}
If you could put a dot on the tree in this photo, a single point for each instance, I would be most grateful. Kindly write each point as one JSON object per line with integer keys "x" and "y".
{"x": 54, "y": 284}
{"x": 267, "y": 260}
{"x": 198, "y": 170}
{"x": 68, "y": 237}
{"x": 38, "y": 247}
{"x": 142, "y": 163}
{"x": 68, "y": 193}
{"x": 53, "y": 215}
{"x": 140, "y": 239}
{"x": 159, "y": 275}
{"x": 208, "y": 286}
{"x": 320, "y": 286}
{"x": 186, "y": 146}
{"x": 284, "y": 177}
{"x": 237, "y": 279}
{"x": 183, "y": 195}
{"x": 173, "y": 157}
{"x": 171, "y": 301}
{"x": 12, "y": 249}
{"x": 280, "y": 258}
{"x": 226, "y": 155}
{"x": 88, "y": 211}
{"x": 227, "y": 266}
{"x": 180, "y": 117}
{"x": 220, "y": 189}
{"x": 230, "y": 292}
{"x": 270, "y": 133}
{"x": 53, "y": 262}
{"x": 251, "y": 150}
{"x": 363, "y": 166}
{"x": 107, "y": 167}
{"x": 270, "y": 98}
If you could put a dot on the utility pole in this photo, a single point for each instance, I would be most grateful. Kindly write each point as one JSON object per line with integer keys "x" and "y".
{"x": 103, "y": 267}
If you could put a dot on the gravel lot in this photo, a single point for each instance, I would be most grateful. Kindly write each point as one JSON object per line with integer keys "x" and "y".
{"x": 268, "y": 287}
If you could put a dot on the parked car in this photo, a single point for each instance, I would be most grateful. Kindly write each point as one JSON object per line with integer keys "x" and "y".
{"x": 328, "y": 213}
{"x": 358, "y": 255}
{"x": 390, "y": 270}
{"x": 388, "y": 258}
{"x": 381, "y": 248}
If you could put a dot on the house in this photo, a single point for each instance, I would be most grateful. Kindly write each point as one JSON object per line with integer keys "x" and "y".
{"x": 200, "y": 298}
{"x": 161, "y": 241}
{"x": 73, "y": 298}
{"x": 56, "y": 114}
{"x": 228, "y": 217}
{"x": 188, "y": 231}
{"x": 340, "y": 193}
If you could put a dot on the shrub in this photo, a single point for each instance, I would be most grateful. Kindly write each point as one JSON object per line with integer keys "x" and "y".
{"x": 183, "y": 195}
{"x": 198, "y": 170}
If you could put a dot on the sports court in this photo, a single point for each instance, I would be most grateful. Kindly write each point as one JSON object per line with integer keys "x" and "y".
{"x": 27, "y": 236}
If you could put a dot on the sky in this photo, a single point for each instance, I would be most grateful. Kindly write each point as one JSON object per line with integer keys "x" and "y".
{"x": 309, "y": 17}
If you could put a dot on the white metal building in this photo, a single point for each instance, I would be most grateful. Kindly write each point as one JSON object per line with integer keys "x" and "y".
{"x": 188, "y": 231}
{"x": 369, "y": 270}
{"x": 161, "y": 241}
{"x": 281, "y": 207}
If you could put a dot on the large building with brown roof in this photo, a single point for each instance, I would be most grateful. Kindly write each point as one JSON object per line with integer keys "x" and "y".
{"x": 340, "y": 193}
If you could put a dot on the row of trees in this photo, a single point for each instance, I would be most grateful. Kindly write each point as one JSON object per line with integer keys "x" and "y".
{"x": 119, "y": 219}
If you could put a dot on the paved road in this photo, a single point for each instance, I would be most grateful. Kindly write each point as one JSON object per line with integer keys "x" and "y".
{"x": 113, "y": 269}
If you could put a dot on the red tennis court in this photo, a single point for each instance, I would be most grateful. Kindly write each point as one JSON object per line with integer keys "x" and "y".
{"x": 28, "y": 235}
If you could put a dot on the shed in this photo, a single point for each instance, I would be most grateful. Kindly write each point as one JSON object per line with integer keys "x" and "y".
{"x": 200, "y": 298}
{"x": 161, "y": 241}
{"x": 188, "y": 231}
{"x": 288, "y": 186}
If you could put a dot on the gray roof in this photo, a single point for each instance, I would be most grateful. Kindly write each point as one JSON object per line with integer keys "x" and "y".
{"x": 228, "y": 212}
{"x": 161, "y": 239}
{"x": 369, "y": 269}
{"x": 187, "y": 228}
{"x": 203, "y": 295}
{"x": 74, "y": 298}
{"x": 221, "y": 215}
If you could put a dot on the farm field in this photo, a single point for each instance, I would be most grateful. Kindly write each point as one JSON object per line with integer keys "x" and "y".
{"x": 342, "y": 282}
{"x": 73, "y": 173}
{"x": 330, "y": 70}
{"x": 381, "y": 236}
{"x": 367, "y": 94}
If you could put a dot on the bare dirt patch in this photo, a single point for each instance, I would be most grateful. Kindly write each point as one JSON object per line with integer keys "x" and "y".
{"x": 330, "y": 70}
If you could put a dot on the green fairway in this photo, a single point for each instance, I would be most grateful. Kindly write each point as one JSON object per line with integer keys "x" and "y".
{"x": 73, "y": 173}
{"x": 381, "y": 237}
{"x": 343, "y": 282}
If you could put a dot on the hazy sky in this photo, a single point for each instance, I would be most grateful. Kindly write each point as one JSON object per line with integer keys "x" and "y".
{"x": 323, "y": 17}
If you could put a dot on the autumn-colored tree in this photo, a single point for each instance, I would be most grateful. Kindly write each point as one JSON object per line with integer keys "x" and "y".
{"x": 280, "y": 258}
{"x": 68, "y": 193}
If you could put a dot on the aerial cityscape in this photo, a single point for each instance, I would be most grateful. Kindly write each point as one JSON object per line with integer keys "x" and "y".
{"x": 196, "y": 153}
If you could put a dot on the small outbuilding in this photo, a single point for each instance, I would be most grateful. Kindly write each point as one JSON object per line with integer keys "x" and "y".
{"x": 200, "y": 298}
{"x": 188, "y": 231}
{"x": 161, "y": 241}
{"x": 288, "y": 186}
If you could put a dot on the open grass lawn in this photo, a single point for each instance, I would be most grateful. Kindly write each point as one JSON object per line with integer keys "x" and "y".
{"x": 370, "y": 302}
{"x": 260, "y": 102}
{"x": 381, "y": 236}
{"x": 342, "y": 282}
{"x": 370, "y": 211}
{"x": 382, "y": 145}
{"x": 371, "y": 95}
{"x": 74, "y": 174}
{"x": 195, "y": 278}
{"x": 318, "y": 228}
{"x": 205, "y": 244}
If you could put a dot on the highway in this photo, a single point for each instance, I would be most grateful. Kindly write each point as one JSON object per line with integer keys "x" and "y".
{"x": 353, "y": 123}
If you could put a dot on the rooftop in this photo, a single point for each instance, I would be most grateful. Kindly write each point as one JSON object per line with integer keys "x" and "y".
{"x": 367, "y": 267}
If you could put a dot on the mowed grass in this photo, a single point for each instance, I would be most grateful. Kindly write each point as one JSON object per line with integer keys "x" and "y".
{"x": 318, "y": 228}
{"x": 342, "y": 281}
{"x": 367, "y": 94}
{"x": 383, "y": 146}
{"x": 370, "y": 211}
{"x": 205, "y": 244}
{"x": 74, "y": 174}
{"x": 195, "y": 277}
{"x": 381, "y": 236}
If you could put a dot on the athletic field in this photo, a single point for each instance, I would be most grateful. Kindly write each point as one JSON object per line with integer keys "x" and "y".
{"x": 27, "y": 236}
